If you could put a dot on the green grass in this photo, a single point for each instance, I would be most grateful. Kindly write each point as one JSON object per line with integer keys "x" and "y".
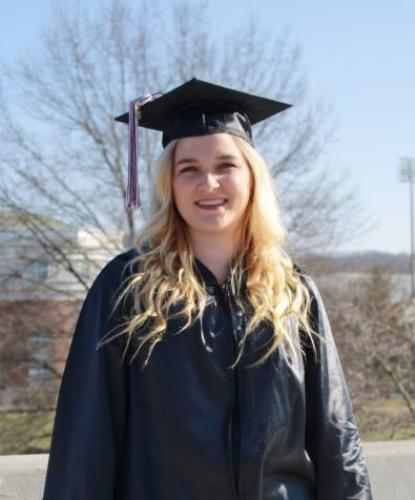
{"x": 22, "y": 433}
{"x": 385, "y": 419}
{"x": 25, "y": 432}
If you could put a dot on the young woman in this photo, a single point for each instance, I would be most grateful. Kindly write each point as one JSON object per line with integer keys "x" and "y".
{"x": 233, "y": 388}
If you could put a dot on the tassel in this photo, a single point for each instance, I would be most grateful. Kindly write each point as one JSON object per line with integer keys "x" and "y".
{"x": 133, "y": 194}
{"x": 132, "y": 199}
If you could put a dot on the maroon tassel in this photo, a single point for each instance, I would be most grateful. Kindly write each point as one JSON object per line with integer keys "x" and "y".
{"x": 133, "y": 197}
{"x": 133, "y": 194}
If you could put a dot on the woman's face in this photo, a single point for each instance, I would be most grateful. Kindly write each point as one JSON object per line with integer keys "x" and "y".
{"x": 211, "y": 183}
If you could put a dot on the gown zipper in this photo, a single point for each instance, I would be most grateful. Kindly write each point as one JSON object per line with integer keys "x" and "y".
{"x": 234, "y": 420}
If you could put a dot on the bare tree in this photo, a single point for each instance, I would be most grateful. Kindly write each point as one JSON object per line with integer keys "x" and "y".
{"x": 375, "y": 332}
{"x": 67, "y": 155}
{"x": 63, "y": 157}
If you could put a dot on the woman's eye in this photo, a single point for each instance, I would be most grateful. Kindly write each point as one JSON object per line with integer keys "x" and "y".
{"x": 194, "y": 168}
{"x": 187, "y": 169}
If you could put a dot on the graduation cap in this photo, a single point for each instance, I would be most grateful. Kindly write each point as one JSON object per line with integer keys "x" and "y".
{"x": 194, "y": 108}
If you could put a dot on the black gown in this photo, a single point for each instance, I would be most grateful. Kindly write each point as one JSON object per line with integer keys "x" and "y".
{"x": 188, "y": 428}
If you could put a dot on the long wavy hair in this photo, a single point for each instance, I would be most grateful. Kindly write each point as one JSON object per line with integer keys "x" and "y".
{"x": 262, "y": 275}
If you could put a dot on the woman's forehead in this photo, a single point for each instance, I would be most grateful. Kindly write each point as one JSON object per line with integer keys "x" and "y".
{"x": 218, "y": 144}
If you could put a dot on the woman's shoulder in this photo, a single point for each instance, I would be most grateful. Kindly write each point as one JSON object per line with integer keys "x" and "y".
{"x": 120, "y": 261}
{"x": 116, "y": 271}
{"x": 305, "y": 277}
{"x": 316, "y": 301}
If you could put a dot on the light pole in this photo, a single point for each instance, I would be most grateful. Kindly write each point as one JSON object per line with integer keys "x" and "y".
{"x": 407, "y": 174}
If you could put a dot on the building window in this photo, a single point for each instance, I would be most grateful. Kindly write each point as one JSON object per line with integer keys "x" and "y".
{"x": 36, "y": 269}
{"x": 39, "y": 353}
{"x": 81, "y": 266}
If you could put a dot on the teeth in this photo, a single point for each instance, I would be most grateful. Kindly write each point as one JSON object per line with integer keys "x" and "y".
{"x": 217, "y": 201}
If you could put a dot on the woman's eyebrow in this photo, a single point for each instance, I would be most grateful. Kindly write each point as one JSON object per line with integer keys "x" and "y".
{"x": 227, "y": 157}
{"x": 186, "y": 160}
{"x": 219, "y": 157}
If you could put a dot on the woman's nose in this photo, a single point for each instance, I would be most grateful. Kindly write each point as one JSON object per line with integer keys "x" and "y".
{"x": 208, "y": 180}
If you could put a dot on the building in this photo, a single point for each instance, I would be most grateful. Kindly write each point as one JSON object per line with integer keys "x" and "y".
{"x": 46, "y": 269}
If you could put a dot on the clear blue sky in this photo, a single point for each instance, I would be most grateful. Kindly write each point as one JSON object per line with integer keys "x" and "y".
{"x": 358, "y": 57}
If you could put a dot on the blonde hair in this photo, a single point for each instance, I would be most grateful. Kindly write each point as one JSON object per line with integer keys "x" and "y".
{"x": 166, "y": 280}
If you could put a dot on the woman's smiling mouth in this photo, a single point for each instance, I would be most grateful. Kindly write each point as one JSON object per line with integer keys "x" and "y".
{"x": 211, "y": 204}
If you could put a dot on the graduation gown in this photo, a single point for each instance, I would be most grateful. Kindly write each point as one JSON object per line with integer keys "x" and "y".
{"x": 188, "y": 428}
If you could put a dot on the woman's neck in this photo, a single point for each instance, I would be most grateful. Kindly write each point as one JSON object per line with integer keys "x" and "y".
{"x": 215, "y": 252}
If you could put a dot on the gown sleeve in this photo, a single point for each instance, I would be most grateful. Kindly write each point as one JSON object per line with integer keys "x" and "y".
{"x": 87, "y": 438}
{"x": 332, "y": 437}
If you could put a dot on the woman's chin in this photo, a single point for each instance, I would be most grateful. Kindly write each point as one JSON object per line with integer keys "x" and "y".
{"x": 211, "y": 229}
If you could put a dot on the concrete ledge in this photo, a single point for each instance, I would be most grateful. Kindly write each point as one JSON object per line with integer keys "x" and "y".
{"x": 391, "y": 467}
{"x": 22, "y": 476}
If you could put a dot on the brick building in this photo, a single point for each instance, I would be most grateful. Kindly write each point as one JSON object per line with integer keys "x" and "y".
{"x": 45, "y": 271}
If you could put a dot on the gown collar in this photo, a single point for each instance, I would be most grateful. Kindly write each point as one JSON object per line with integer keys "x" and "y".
{"x": 207, "y": 275}
{"x": 213, "y": 287}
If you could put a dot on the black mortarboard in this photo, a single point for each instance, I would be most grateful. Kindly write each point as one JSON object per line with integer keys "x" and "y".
{"x": 194, "y": 108}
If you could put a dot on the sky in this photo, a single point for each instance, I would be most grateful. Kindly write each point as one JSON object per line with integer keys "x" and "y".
{"x": 358, "y": 57}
